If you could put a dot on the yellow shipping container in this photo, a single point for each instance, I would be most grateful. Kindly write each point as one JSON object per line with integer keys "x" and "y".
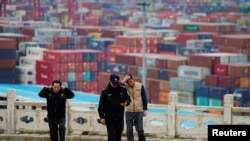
{"x": 243, "y": 21}
{"x": 94, "y": 34}
{"x": 97, "y": 12}
{"x": 169, "y": 39}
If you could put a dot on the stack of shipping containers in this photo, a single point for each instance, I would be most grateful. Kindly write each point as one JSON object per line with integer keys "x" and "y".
{"x": 197, "y": 48}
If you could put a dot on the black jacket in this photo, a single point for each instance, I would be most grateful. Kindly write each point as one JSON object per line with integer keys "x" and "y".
{"x": 110, "y": 101}
{"x": 56, "y": 103}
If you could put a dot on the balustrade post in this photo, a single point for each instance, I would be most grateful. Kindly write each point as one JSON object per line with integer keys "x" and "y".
{"x": 11, "y": 99}
{"x": 173, "y": 99}
{"x": 228, "y": 104}
{"x": 67, "y": 124}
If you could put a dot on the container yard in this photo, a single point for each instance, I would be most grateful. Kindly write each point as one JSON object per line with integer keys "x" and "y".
{"x": 198, "y": 48}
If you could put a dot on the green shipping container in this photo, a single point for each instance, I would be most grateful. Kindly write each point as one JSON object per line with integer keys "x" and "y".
{"x": 202, "y": 101}
{"x": 215, "y": 102}
{"x": 244, "y": 9}
{"x": 191, "y": 28}
{"x": 71, "y": 76}
{"x": 86, "y": 76}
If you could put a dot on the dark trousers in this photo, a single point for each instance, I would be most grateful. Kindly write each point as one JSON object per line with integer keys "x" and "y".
{"x": 134, "y": 119}
{"x": 114, "y": 127}
{"x": 56, "y": 126}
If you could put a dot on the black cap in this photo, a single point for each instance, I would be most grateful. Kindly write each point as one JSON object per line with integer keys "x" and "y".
{"x": 114, "y": 78}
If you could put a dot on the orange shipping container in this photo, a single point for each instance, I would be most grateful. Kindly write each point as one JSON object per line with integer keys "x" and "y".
{"x": 215, "y": 112}
{"x": 163, "y": 97}
{"x": 244, "y": 82}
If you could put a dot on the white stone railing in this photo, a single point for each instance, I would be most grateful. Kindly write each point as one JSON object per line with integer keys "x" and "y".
{"x": 30, "y": 116}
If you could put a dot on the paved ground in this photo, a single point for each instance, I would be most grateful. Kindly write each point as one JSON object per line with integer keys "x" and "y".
{"x": 37, "y": 137}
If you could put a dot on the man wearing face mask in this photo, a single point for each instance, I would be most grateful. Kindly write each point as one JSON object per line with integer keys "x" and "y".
{"x": 111, "y": 109}
{"x": 56, "y": 96}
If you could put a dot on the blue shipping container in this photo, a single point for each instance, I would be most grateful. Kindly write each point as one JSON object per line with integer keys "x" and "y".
{"x": 8, "y": 72}
{"x": 101, "y": 44}
{"x": 169, "y": 47}
{"x": 7, "y": 54}
{"x": 163, "y": 74}
{"x": 242, "y": 95}
{"x": 188, "y": 51}
{"x": 116, "y": 68}
{"x": 218, "y": 92}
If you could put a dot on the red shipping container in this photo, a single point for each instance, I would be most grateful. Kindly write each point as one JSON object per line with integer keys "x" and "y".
{"x": 238, "y": 40}
{"x": 152, "y": 73}
{"x": 93, "y": 66}
{"x": 78, "y": 67}
{"x": 183, "y": 37}
{"x": 71, "y": 67}
{"x": 7, "y": 63}
{"x": 94, "y": 87}
{"x": 61, "y": 40}
{"x": 78, "y": 57}
{"x": 239, "y": 70}
{"x": 79, "y": 85}
{"x": 63, "y": 67}
{"x": 79, "y": 77}
{"x": 55, "y": 55}
{"x": 228, "y": 49}
{"x": 47, "y": 66}
{"x": 212, "y": 80}
{"x": 174, "y": 63}
{"x": 86, "y": 66}
{"x": 71, "y": 56}
{"x": 63, "y": 76}
{"x": 229, "y": 82}
{"x": 100, "y": 56}
{"x": 218, "y": 39}
{"x": 176, "y": 26}
{"x": 86, "y": 87}
{"x": 221, "y": 69}
{"x": 43, "y": 77}
{"x": 115, "y": 49}
{"x": 161, "y": 63}
{"x": 172, "y": 73}
{"x": 132, "y": 69}
{"x": 203, "y": 60}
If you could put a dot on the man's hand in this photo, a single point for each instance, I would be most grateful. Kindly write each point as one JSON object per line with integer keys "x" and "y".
{"x": 103, "y": 121}
{"x": 125, "y": 78}
{"x": 124, "y": 103}
{"x": 145, "y": 113}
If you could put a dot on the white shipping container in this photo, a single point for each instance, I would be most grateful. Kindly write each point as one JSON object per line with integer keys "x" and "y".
{"x": 227, "y": 57}
{"x": 26, "y": 71}
{"x": 35, "y": 52}
{"x": 52, "y": 32}
{"x": 28, "y": 61}
{"x": 24, "y": 45}
{"x": 185, "y": 97}
{"x": 26, "y": 81}
{"x": 43, "y": 39}
{"x": 197, "y": 43}
{"x": 193, "y": 72}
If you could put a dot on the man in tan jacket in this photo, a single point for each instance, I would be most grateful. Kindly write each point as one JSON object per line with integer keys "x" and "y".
{"x": 137, "y": 109}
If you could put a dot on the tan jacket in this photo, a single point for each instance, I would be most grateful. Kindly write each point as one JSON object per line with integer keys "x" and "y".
{"x": 136, "y": 104}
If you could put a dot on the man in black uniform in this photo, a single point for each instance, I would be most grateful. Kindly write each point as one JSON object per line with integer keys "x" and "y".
{"x": 111, "y": 107}
{"x": 56, "y": 96}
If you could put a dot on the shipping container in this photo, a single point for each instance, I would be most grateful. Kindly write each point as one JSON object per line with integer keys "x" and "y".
{"x": 193, "y": 72}
{"x": 184, "y": 84}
